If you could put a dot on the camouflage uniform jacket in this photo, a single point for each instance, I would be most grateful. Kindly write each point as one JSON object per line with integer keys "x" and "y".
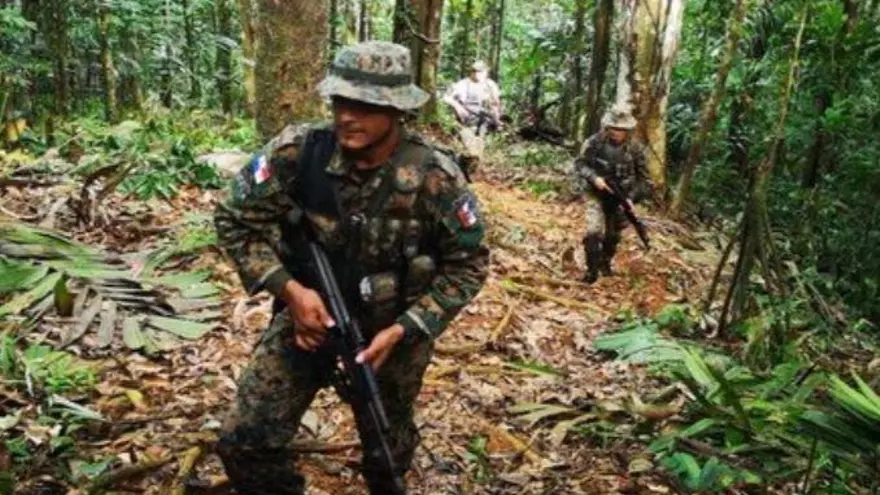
{"x": 416, "y": 254}
{"x": 625, "y": 164}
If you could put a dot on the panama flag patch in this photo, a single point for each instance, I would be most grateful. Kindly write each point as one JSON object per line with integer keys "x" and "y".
{"x": 260, "y": 168}
{"x": 466, "y": 212}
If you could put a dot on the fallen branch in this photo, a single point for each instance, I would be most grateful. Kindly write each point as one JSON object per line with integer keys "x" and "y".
{"x": 457, "y": 350}
{"x": 568, "y": 303}
{"x": 111, "y": 478}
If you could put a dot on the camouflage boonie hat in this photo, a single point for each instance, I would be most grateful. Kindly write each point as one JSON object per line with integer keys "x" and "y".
{"x": 619, "y": 118}
{"x": 479, "y": 66}
{"x": 374, "y": 72}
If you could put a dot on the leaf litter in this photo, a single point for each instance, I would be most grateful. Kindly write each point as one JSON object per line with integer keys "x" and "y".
{"x": 521, "y": 354}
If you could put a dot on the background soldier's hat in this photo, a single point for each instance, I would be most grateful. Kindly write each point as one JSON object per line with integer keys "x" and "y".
{"x": 619, "y": 118}
{"x": 374, "y": 72}
{"x": 479, "y": 66}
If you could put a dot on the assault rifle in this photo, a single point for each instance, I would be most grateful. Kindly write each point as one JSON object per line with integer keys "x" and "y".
{"x": 356, "y": 383}
{"x": 621, "y": 200}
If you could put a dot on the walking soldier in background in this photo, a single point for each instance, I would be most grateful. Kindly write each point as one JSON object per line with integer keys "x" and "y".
{"x": 611, "y": 169}
{"x": 404, "y": 237}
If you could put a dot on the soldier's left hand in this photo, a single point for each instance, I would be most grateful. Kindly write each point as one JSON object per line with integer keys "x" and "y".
{"x": 381, "y": 346}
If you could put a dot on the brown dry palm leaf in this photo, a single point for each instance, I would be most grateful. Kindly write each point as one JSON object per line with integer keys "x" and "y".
{"x": 45, "y": 274}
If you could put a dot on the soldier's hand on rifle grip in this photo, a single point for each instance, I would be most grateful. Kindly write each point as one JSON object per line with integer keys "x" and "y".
{"x": 309, "y": 314}
{"x": 602, "y": 185}
{"x": 381, "y": 346}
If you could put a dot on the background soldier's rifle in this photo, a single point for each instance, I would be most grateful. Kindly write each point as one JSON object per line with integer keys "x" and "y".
{"x": 356, "y": 382}
{"x": 621, "y": 200}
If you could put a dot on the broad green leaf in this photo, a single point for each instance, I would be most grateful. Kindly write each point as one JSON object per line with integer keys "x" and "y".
{"x": 18, "y": 276}
{"x": 200, "y": 290}
{"x": 23, "y": 301}
{"x": 189, "y": 330}
{"x": 132, "y": 334}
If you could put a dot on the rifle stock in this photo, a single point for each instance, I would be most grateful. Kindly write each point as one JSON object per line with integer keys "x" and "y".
{"x": 358, "y": 380}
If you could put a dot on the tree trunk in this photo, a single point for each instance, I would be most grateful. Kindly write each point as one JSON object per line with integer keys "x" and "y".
{"x": 195, "y": 90}
{"x": 577, "y": 70}
{"x": 465, "y": 41}
{"x": 709, "y": 111}
{"x": 401, "y": 26}
{"x": 108, "y": 71}
{"x": 167, "y": 77}
{"x": 363, "y": 34}
{"x": 425, "y": 48}
{"x": 334, "y": 28}
{"x": 224, "y": 59}
{"x": 55, "y": 29}
{"x": 599, "y": 65}
{"x": 650, "y": 44}
{"x": 737, "y": 137}
{"x": 247, "y": 15}
{"x": 497, "y": 41}
{"x": 756, "y": 229}
{"x": 290, "y": 62}
{"x": 813, "y": 166}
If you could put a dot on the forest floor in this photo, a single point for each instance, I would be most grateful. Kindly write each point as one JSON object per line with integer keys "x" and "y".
{"x": 526, "y": 340}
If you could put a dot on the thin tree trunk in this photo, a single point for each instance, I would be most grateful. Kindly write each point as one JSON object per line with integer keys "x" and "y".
{"x": 813, "y": 166}
{"x": 401, "y": 24}
{"x": 498, "y": 42}
{"x": 599, "y": 65}
{"x": 292, "y": 36}
{"x": 709, "y": 111}
{"x": 55, "y": 29}
{"x": 426, "y": 49}
{"x": 334, "y": 27}
{"x": 224, "y": 59}
{"x": 363, "y": 35}
{"x": 108, "y": 71}
{"x": 465, "y": 41}
{"x": 247, "y": 15}
{"x": 167, "y": 77}
{"x": 195, "y": 90}
{"x": 756, "y": 229}
{"x": 577, "y": 69}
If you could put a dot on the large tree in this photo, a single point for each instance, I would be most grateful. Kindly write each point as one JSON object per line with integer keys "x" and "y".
{"x": 291, "y": 39}
{"x": 425, "y": 47}
{"x": 649, "y": 43}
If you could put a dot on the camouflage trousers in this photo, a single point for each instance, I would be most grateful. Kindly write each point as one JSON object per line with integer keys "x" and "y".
{"x": 605, "y": 223}
{"x": 275, "y": 391}
{"x": 473, "y": 138}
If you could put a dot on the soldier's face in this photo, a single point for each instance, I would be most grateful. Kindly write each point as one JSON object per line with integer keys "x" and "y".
{"x": 360, "y": 125}
{"x": 617, "y": 135}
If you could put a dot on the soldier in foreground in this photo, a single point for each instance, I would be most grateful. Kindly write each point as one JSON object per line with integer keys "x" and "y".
{"x": 404, "y": 236}
{"x": 610, "y": 168}
{"x": 476, "y": 101}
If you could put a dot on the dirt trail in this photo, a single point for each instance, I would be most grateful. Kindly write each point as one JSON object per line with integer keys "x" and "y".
{"x": 527, "y": 338}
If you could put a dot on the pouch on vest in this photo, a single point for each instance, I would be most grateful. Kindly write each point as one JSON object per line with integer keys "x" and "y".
{"x": 419, "y": 275}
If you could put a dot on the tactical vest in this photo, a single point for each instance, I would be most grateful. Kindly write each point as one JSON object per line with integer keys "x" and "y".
{"x": 617, "y": 163}
{"x": 384, "y": 256}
